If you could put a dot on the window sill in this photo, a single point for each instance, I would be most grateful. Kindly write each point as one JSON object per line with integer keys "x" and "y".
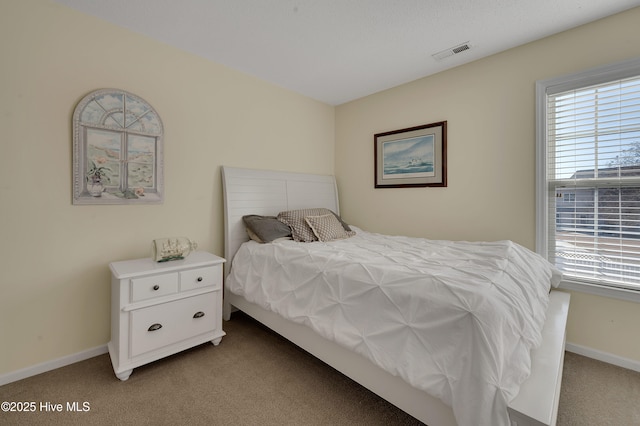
{"x": 108, "y": 198}
{"x": 598, "y": 290}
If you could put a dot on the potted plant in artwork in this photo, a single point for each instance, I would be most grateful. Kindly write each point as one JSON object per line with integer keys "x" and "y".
{"x": 97, "y": 176}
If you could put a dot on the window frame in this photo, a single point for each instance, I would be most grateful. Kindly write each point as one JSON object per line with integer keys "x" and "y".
{"x": 599, "y": 75}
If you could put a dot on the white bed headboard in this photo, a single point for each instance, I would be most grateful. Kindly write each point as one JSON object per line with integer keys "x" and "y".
{"x": 267, "y": 193}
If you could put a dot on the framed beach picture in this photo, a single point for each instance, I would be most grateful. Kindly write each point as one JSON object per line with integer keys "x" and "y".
{"x": 411, "y": 157}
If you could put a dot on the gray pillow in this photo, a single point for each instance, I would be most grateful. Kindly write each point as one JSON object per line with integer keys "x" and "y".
{"x": 327, "y": 227}
{"x": 265, "y": 228}
{"x": 301, "y": 231}
{"x": 344, "y": 224}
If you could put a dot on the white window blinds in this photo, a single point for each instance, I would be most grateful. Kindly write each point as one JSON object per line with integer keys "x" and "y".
{"x": 593, "y": 182}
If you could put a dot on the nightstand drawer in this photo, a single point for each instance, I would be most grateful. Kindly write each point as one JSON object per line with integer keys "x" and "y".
{"x": 167, "y": 323}
{"x": 201, "y": 277}
{"x": 153, "y": 286}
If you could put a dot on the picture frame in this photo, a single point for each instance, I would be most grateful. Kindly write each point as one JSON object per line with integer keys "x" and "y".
{"x": 412, "y": 157}
{"x": 117, "y": 150}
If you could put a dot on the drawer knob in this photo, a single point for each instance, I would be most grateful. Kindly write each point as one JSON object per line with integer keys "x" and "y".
{"x": 155, "y": 327}
{"x": 198, "y": 314}
{"x": 156, "y": 287}
{"x": 199, "y": 279}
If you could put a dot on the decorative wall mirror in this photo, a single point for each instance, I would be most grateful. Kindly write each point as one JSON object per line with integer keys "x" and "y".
{"x": 117, "y": 150}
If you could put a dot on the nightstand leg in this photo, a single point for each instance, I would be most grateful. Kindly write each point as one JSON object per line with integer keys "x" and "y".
{"x": 124, "y": 375}
{"x": 217, "y": 341}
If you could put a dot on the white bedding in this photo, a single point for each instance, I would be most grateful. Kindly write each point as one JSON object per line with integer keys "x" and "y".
{"x": 455, "y": 319}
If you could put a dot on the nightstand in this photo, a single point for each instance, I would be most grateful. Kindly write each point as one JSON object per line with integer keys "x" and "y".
{"x": 158, "y": 309}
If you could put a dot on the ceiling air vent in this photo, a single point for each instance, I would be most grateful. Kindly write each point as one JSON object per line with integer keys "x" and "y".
{"x": 452, "y": 51}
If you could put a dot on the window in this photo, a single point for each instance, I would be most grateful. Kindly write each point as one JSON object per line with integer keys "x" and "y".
{"x": 118, "y": 153}
{"x": 588, "y": 183}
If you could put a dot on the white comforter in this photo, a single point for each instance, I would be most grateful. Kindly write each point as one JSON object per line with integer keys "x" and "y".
{"x": 455, "y": 319}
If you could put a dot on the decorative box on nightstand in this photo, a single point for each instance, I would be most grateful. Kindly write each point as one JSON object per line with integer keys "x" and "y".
{"x": 158, "y": 309}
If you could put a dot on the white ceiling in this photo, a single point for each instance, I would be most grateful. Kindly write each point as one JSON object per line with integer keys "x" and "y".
{"x": 339, "y": 50}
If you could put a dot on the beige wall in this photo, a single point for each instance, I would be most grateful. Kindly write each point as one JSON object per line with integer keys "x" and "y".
{"x": 54, "y": 276}
{"x": 54, "y": 284}
{"x": 489, "y": 106}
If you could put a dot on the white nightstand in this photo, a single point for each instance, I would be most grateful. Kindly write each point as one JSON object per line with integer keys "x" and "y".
{"x": 158, "y": 309}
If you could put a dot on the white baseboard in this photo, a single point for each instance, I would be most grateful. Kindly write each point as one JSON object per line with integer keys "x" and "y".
{"x": 629, "y": 364}
{"x": 609, "y": 358}
{"x": 51, "y": 365}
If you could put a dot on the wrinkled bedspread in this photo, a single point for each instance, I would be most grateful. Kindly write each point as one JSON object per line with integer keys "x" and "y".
{"x": 455, "y": 319}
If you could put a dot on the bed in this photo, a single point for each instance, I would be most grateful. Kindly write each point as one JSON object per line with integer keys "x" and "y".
{"x": 263, "y": 192}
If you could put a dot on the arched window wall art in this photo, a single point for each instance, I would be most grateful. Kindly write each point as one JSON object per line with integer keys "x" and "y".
{"x": 117, "y": 150}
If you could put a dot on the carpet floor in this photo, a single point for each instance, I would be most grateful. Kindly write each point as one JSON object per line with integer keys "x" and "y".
{"x": 255, "y": 377}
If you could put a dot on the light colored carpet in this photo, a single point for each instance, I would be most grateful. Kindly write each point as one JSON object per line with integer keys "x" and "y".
{"x": 255, "y": 377}
{"x": 595, "y": 393}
